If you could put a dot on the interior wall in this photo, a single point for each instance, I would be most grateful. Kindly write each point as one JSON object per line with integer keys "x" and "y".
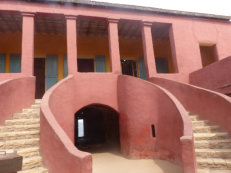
{"x": 10, "y": 43}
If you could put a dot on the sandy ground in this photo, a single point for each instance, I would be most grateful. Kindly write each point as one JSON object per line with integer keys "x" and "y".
{"x": 107, "y": 162}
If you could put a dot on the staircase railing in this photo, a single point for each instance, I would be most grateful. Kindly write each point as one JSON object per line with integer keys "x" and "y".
{"x": 210, "y": 105}
{"x": 140, "y": 105}
{"x": 15, "y": 94}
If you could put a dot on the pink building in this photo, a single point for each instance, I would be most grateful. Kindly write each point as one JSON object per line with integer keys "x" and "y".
{"x": 121, "y": 75}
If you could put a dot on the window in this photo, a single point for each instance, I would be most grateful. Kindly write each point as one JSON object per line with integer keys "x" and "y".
{"x": 208, "y": 54}
{"x": 80, "y": 128}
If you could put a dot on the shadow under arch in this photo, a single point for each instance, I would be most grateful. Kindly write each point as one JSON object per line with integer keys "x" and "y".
{"x": 97, "y": 129}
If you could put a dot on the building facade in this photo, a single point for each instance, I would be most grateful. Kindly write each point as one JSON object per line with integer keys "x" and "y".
{"x": 86, "y": 49}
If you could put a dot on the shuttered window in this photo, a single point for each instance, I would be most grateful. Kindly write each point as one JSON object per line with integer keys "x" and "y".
{"x": 51, "y": 70}
{"x": 142, "y": 68}
{"x": 15, "y": 63}
{"x": 100, "y": 63}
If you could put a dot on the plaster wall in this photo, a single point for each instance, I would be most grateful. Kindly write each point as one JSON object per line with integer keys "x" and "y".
{"x": 208, "y": 104}
{"x": 188, "y": 32}
{"x": 15, "y": 94}
{"x": 138, "y": 108}
{"x": 215, "y": 77}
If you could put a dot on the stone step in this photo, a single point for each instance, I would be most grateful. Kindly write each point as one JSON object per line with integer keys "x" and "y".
{"x": 11, "y": 128}
{"x": 213, "y": 144}
{"x": 36, "y": 106}
{"x": 219, "y": 164}
{"x": 213, "y": 170}
{"x": 22, "y": 121}
{"x": 200, "y": 123}
{"x": 35, "y": 170}
{"x": 28, "y": 152}
{"x": 19, "y": 143}
{"x": 26, "y": 115}
{"x": 211, "y": 136}
{"x": 204, "y": 129}
{"x": 30, "y": 110}
{"x": 194, "y": 117}
{"x": 213, "y": 153}
{"x": 19, "y": 135}
{"x": 31, "y": 162}
{"x": 38, "y": 101}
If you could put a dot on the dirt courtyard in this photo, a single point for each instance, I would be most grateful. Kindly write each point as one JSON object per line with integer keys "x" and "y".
{"x": 107, "y": 162}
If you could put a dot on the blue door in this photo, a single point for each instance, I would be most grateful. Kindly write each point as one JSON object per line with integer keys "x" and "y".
{"x": 100, "y": 64}
{"x": 142, "y": 68}
{"x": 2, "y": 63}
{"x": 51, "y": 70}
{"x": 15, "y": 63}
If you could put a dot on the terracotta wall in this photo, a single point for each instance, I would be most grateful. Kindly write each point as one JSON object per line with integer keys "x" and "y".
{"x": 15, "y": 94}
{"x": 216, "y": 76}
{"x": 196, "y": 99}
{"x": 138, "y": 108}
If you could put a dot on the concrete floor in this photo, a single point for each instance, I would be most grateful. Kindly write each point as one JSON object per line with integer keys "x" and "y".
{"x": 113, "y": 163}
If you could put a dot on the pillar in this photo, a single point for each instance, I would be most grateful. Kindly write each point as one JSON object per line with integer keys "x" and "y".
{"x": 71, "y": 45}
{"x": 149, "y": 57}
{"x": 27, "y": 62}
{"x": 173, "y": 49}
{"x": 114, "y": 45}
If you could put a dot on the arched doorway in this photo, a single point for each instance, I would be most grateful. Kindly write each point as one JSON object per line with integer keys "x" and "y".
{"x": 97, "y": 129}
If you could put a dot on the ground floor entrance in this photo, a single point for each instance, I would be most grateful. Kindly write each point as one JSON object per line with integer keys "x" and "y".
{"x": 97, "y": 129}
{"x": 39, "y": 73}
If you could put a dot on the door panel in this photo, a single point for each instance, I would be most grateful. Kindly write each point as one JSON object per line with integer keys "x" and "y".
{"x": 129, "y": 67}
{"x": 142, "y": 68}
{"x": 100, "y": 63}
{"x": 39, "y": 73}
{"x": 2, "y": 63}
{"x": 85, "y": 65}
{"x": 15, "y": 63}
{"x": 51, "y": 70}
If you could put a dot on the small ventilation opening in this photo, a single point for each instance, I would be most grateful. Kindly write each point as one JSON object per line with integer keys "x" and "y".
{"x": 153, "y": 131}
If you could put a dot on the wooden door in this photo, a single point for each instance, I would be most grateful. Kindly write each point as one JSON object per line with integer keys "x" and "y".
{"x": 39, "y": 73}
{"x": 85, "y": 65}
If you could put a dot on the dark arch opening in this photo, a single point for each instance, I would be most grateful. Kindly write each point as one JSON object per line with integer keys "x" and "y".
{"x": 97, "y": 129}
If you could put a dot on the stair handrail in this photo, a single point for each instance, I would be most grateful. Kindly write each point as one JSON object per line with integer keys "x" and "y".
{"x": 15, "y": 94}
{"x": 77, "y": 160}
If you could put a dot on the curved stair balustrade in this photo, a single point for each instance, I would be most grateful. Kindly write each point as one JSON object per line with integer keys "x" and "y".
{"x": 210, "y": 105}
{"x": 57, "y": 149}
{"x": 140, "y": 105}
{"x": 15, "y": 94}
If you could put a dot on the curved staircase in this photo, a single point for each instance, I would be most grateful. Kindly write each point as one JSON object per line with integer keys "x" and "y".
{"x": 212, "y": 147}
{"x": 22, "y": 134}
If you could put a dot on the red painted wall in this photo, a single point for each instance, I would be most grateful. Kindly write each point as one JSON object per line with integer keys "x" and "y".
{"x": 195, "y": 100}
{"x": 138, "y": 108}
{"x": 15, "y": 94}
{"x": 216, "y": 77}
